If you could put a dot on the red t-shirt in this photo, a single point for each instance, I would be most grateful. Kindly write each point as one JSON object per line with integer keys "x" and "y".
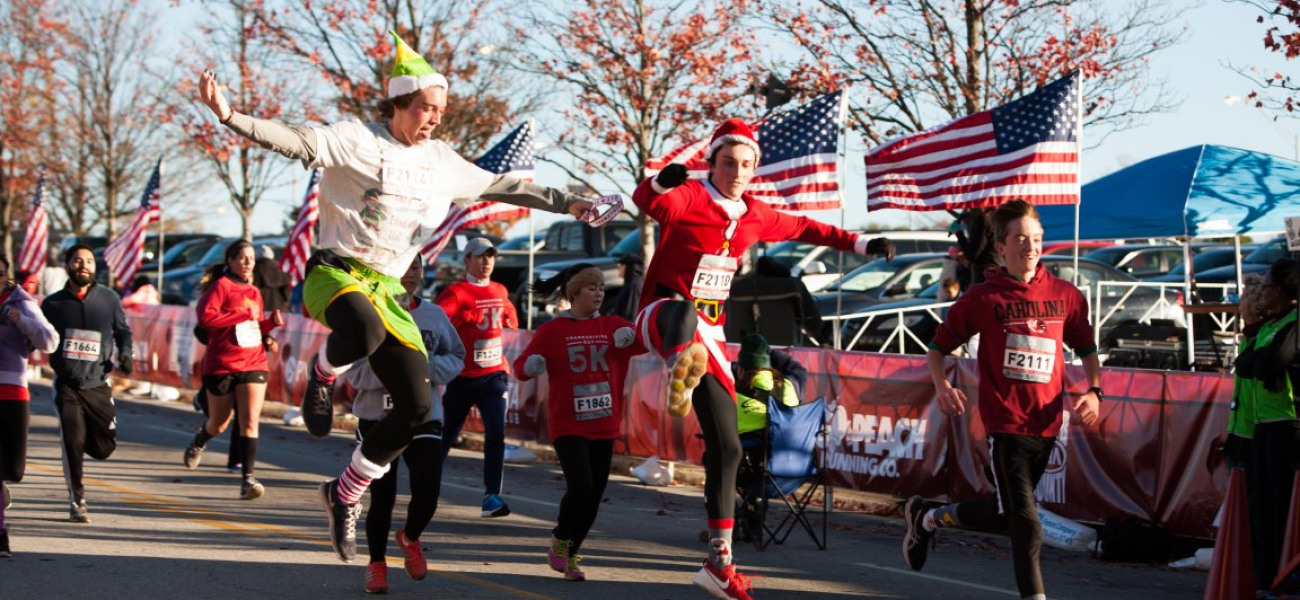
{"x": 1021, "y": 361}
{"x": 231, "y": 311}
{"x": 693, "y": 224}
{"x": 585, "y": 373}
{"x": 479, "y": 313}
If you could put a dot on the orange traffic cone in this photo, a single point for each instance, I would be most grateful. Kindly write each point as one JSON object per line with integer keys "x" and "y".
{"x": 1290, "y": 558}
{"x": 1232, "y": 572}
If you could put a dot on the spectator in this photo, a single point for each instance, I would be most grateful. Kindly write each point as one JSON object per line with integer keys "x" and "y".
{"x": 143, "y": 293}
{"x": 271, "y": 281}
{"x": 89, "y": 320}
{"x": 1264, "y": 396}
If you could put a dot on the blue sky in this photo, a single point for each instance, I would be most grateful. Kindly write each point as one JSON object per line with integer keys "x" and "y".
{"x": 1213, "y": 111}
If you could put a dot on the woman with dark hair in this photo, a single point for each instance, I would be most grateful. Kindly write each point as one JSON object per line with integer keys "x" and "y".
{"x": 23, "y": 328}
{"x": 585, "y": 356}
{"x": 1267, "y": 388}
{"x": 234, "y": 366}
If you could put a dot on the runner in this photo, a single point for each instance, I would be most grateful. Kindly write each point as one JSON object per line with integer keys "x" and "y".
{"x": 22, "y": 329}
{"x": 480, "y": 309}
{"x": 1023, "y": 314}
{"x": 385, "y": 187}
{"x": 89, "y": 320}
{"x": 234, "y": 366}
{"x": 423, "y": 456}
{"x": 585, "y": 356}
{"x": 705, "y": 227}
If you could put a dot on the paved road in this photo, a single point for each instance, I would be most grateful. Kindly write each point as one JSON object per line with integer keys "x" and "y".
{"x": 160, "y": 531}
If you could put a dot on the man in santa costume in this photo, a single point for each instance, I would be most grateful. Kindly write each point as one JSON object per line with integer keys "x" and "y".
{"x": 709, "y": 224}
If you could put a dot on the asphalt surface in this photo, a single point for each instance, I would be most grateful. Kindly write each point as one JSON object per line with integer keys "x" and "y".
{"x": 161, "y": 531}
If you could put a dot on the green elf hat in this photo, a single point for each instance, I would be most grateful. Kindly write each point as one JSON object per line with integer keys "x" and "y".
{"x": 411, "y": 72}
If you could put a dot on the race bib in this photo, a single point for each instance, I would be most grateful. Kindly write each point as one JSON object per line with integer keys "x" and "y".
{"x": 1029, "y": 358}
{"x": 248, "y": 334}
{"x": 712, "y": 279}
{"x": 487, "y": 353}
{"x": 592, "y": 401}
{"x": 82, "y": 344}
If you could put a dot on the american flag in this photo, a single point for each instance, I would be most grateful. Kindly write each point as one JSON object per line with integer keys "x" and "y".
{"x": 512, "y": 156}
{"x": 294, "y": 260}
{"x": 799, "y": 169}
{"x": 124, "y": 253}
{"x": 37, "y": 237}
{"x": 1026, "y": 149}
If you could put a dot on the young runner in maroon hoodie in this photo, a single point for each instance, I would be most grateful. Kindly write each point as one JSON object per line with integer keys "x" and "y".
{"x": 1022, "y": 314}
{"x": 585, "y": 355}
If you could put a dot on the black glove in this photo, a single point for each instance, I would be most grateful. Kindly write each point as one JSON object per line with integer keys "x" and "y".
{"x": 880, "y": 246}
{"x": 672, "y": 176}
{"x": 126, "y": 365}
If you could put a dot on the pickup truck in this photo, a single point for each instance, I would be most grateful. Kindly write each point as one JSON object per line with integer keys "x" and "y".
{"x": 566, "y": 240}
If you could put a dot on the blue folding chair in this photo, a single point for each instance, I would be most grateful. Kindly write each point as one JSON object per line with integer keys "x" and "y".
{"x": 794, "y": 471}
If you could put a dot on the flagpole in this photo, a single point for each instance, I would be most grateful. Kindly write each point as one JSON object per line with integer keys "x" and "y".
{"x": 1078, "y": 137}
{"x": 842, "y": 152}
{"x": 162, "y": 231}
{"x": 532, "y": 251}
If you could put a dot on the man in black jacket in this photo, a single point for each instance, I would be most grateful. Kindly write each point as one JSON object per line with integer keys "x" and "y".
{"x": 90, "y": 322}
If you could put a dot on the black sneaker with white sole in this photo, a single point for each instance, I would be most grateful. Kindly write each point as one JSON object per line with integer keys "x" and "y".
{"x": 916, "y": 543}
{"x": 318, "y": 405}
{"x": 343, "y": 521}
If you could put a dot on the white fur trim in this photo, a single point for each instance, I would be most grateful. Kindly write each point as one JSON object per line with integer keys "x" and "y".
{"x": 405, "y": 84}
{"x": 758, "y": 152}
{"x": 860, "y": 246}
{"x": 735, "y": 209}
{"x": 365, "y": 466}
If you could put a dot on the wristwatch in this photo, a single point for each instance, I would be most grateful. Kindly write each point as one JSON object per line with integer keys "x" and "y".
{"x": 1096, "y": 390}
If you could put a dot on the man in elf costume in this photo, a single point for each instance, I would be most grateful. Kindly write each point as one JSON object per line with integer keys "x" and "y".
{"x": 384, "y": 188}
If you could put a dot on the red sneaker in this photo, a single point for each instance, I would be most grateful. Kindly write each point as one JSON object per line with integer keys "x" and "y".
{"x": 413, "y": 558}
{"x": 377, "y": 578}
{"x": 725, "y": 583}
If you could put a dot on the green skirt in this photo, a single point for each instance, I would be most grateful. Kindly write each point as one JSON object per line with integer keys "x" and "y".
{"x": 326, "y": 283}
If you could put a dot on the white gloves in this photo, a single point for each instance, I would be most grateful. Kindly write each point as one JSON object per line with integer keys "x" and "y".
{"x": 535, "y": 365}
{"x": 624, "y": 337}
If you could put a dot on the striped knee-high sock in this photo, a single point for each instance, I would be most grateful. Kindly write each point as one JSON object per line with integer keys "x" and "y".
{"x": 357, "y": 477}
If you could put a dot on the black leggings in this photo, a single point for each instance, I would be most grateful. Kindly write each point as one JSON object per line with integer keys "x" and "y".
{"x": 586, "y": 472}
{"x": 15, "y": 417}
{"x": 88, "y": 427}
{"x": 716, "y": 412}
{"x": 1272, "y": 468}
{"x": 424, "y": 462}
{"x": 1018, "y": 462}
{"x": 358, "y": 332}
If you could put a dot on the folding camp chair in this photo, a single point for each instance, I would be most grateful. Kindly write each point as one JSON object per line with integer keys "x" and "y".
{"x": 792, "y": 470}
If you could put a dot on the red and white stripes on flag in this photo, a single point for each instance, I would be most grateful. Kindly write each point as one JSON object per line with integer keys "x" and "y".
{"x": 799, "y": 167}
{"x": 294, "y": 260}
{"x": 123, "y": 255}
{"x": 37, "y": 237}
{"x": 512, "y": 156}
{"x": 1027, "y": 149}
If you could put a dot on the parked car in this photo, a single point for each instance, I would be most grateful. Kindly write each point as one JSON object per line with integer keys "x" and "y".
{"x": 1067, "y": 248}
{"x": 819, "y": 266}
{"x": 179, "y": 253}
{"x": 1145, "y": 260}
{"x": 1257, "y": 262}
{"x": 881, "y": 281}
{"x": 181, "y": 286}
{"x": 519, "y": 243}
{"x": 1143, "y": 304}
{"x": 1205, "y": 260}
{"x": 567, "y": 240}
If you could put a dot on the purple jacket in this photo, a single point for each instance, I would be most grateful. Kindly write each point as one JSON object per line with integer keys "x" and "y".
{"x": 17, "y": 340}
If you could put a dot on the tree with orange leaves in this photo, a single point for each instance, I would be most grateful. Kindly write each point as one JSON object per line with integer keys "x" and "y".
{"x": 918, "y": 64}
{"x": 345, "y": 42}
{"x": 1278, "y": 91}
{"x": 29, "y": 49}
{"x": 644, "y": 75}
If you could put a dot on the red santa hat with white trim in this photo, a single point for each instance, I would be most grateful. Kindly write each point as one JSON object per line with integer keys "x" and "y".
{"x": 733, "y": 130}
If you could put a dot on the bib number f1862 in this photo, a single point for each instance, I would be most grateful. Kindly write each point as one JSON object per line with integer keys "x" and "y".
{"x": 592, "y": 401}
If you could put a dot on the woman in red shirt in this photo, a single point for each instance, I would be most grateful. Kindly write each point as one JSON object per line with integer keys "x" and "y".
{"x": 584, "y": 356}
{"x": 234, "y": 367}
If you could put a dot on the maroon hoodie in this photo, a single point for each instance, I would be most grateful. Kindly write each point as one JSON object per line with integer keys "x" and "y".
{"x": 1021, "y": 362}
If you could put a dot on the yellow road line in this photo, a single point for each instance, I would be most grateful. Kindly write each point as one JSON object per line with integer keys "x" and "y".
{"x": 228, "y": 522}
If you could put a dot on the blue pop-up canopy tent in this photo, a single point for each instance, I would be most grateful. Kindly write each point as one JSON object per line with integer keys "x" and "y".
{"x": 1202, "y": 191}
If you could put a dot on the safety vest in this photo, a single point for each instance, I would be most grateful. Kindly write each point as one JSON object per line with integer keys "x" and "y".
{"x": 751, "y": 413}
{"x": 1253, "y": 400}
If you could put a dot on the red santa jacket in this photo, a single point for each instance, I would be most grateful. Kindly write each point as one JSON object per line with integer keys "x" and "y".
{"x": 693, "y": 224}
{"x": 231, "y": 311}
{"x": 1021, "y": 362}
{"x": 585, "y": 373}
{"x": 479, "y": 313}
